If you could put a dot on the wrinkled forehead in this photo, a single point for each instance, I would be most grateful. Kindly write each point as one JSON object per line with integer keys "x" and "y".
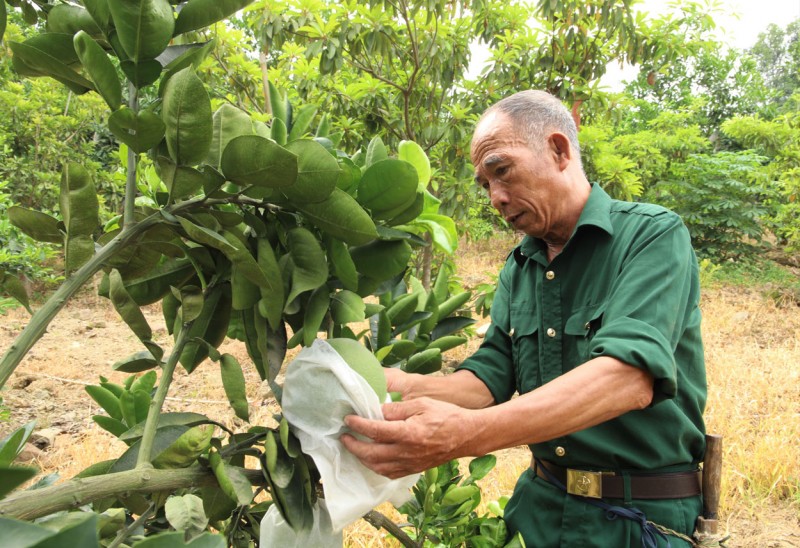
{"x": 494, "y": 130}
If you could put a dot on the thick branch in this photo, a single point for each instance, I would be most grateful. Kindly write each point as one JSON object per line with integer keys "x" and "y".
{"x": 77, "y": 492}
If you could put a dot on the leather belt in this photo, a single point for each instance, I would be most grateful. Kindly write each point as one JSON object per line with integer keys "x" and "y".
{"x": 587, "y": 483}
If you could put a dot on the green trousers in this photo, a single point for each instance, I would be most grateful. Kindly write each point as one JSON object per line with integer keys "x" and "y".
{"x": 547, "y": 517}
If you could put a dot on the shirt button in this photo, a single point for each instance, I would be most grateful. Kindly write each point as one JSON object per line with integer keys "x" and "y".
{"x": 550, "y": 275}
{"x": 551, "y": 332}
{"x": 511, "y": 333}
{"x": 560, "y": 451}
{"x": 587, "y": 326}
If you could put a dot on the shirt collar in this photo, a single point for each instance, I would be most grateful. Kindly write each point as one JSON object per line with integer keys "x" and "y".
{"x": 596, "y": 212}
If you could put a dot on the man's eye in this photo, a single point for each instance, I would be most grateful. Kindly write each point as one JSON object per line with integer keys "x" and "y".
{"x": 500, "y": 171}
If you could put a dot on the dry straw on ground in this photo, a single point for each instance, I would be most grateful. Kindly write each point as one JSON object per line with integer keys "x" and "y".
{"x": 753, "y": 360}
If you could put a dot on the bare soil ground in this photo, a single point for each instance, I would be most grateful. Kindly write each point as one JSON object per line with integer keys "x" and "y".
{"x": 759, "y": 415}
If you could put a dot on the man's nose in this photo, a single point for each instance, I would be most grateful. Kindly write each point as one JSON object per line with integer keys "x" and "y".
{"x": 498, "y": 196}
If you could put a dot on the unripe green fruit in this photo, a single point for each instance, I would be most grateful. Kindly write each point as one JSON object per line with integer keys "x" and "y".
{"x": 363, "y": 362}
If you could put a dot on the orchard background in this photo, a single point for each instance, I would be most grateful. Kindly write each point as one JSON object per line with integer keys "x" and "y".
{"x": 257, "y": 174}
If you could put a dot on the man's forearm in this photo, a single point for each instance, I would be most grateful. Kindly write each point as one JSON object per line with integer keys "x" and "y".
{"x": 461, "y": 388}
{"x": 595, "y": 392}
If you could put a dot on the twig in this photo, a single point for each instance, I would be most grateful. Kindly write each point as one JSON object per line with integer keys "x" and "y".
{"x": 123, "y": 534}
{"x": 379, "y": 521}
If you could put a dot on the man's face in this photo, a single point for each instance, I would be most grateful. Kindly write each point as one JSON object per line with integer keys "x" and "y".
{"x": 526, "y": 187}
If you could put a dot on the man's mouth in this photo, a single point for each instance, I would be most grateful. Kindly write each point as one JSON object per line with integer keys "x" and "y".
{"x": 510, "y": 219}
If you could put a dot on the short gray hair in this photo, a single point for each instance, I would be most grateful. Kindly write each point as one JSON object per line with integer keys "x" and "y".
{"x": 536, "y": 113}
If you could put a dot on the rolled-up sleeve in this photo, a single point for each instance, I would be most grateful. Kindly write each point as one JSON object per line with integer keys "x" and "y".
{"x": 650, "y": 304}
{"x": 492, "y": 362}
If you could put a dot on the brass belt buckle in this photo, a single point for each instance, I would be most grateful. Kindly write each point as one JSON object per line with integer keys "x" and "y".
{"x": 585, "y": 483}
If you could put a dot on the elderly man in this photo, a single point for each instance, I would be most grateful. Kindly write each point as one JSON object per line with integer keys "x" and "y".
{"x": 596, "y": 325}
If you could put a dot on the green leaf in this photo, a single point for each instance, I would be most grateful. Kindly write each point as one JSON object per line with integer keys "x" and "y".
{"x": 341, "y": 217}
{"x": 255, "y": 160}
{"x": 185, "y": 449}
{"x": 3, "y": 20}
{"x": 412, "y": 153}
{"x": 144, "y": 27}
{"x": 317, "y": 172}
{"x": 13, "y": 287}
{"x": 234, "y": 384}
{"x": 410, "y": 213}
{"x": 176, "y": 58}
{"x": 388, "y": 187}
{"x": 228, "y": 122}
{"x": 277, "y": 131}
{"x": 134, "y": 405}
{"x": 380, "y": 259}
{"x": 155, "y": 284}
{"x": 185, "y": 513}
{"x": 166, "y": 419}
{"x": 140, "y": 131}
{"x": 450, "y": 325}
{"x": 39, "y": 226}
{"x": 67, "y": 19}
{"x": 12, "y": 477}
{"x": 136, "y": 363}
{"x": 376, "y": 152}
{"x": 316, "y": 308}
{"x": 11, "y": 445}
{"x": 427, "y": 361}
{"x": 447, "y": 343}
{"x": 79, "y": 205}
{"x": 343, "y": 266}
{"x": 21, "y": 533}
{"x": 187, "y": 114}
{"x": 231, "y": 479}
{"x": 176, "y": 540}
{"x": 278, "y": 104}
{"x": 44, "y": 56}
{"x": 181, "y": 181}
{"x": 127, "y": 308}
{"x": 197, "y": 14}
{"x": 442, "y": 230}
{"x": 98, "y": 66}
{"x": 479, "y": 467}
{"x": 273, "y": 296}
{"x": 79, "y": 211}
{"x": 83, "y": 533}
{"x": 310, "y": 267}
{"x": 113, "y": 426}
{"x": 347, "y": 307}
{"x": 301, "y": 122}
{"x": 142, "y": 72}
{"x": 211, "y": 326}
{"x": 105, "y": 399}
{"x": 100, "y": 12}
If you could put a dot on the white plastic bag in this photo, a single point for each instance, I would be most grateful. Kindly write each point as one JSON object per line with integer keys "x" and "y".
{"x": 319, "y": 391}
{"x": 276, "y": 531}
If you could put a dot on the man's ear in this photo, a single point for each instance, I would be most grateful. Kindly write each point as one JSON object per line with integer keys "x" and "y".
{"x": 561, "y": 149}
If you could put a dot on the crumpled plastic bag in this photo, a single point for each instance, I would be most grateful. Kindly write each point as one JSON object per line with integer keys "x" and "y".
{"x": 320, "y": 389}
{"x": 276, "y": 531}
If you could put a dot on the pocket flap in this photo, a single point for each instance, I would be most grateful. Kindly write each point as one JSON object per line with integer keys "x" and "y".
{"x": 585, "y": 320}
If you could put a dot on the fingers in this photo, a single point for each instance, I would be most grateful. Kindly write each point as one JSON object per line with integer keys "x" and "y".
{"x": 395, "y": 380}
{"x": 380, "y": 458}
{"x": 378, "y": 431}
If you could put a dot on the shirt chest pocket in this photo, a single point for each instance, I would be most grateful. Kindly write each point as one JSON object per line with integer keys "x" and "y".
{"x": 579, "y": 331}
{"x": 524, "y": 333}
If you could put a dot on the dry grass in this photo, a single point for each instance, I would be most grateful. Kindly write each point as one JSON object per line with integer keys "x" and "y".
{"x": 753, "y": 362}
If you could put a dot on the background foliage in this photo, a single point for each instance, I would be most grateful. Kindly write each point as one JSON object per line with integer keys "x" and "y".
{"x": 354, "y": 91}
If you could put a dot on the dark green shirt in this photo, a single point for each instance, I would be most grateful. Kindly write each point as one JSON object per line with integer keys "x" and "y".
{"x": 626, "y": 286}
